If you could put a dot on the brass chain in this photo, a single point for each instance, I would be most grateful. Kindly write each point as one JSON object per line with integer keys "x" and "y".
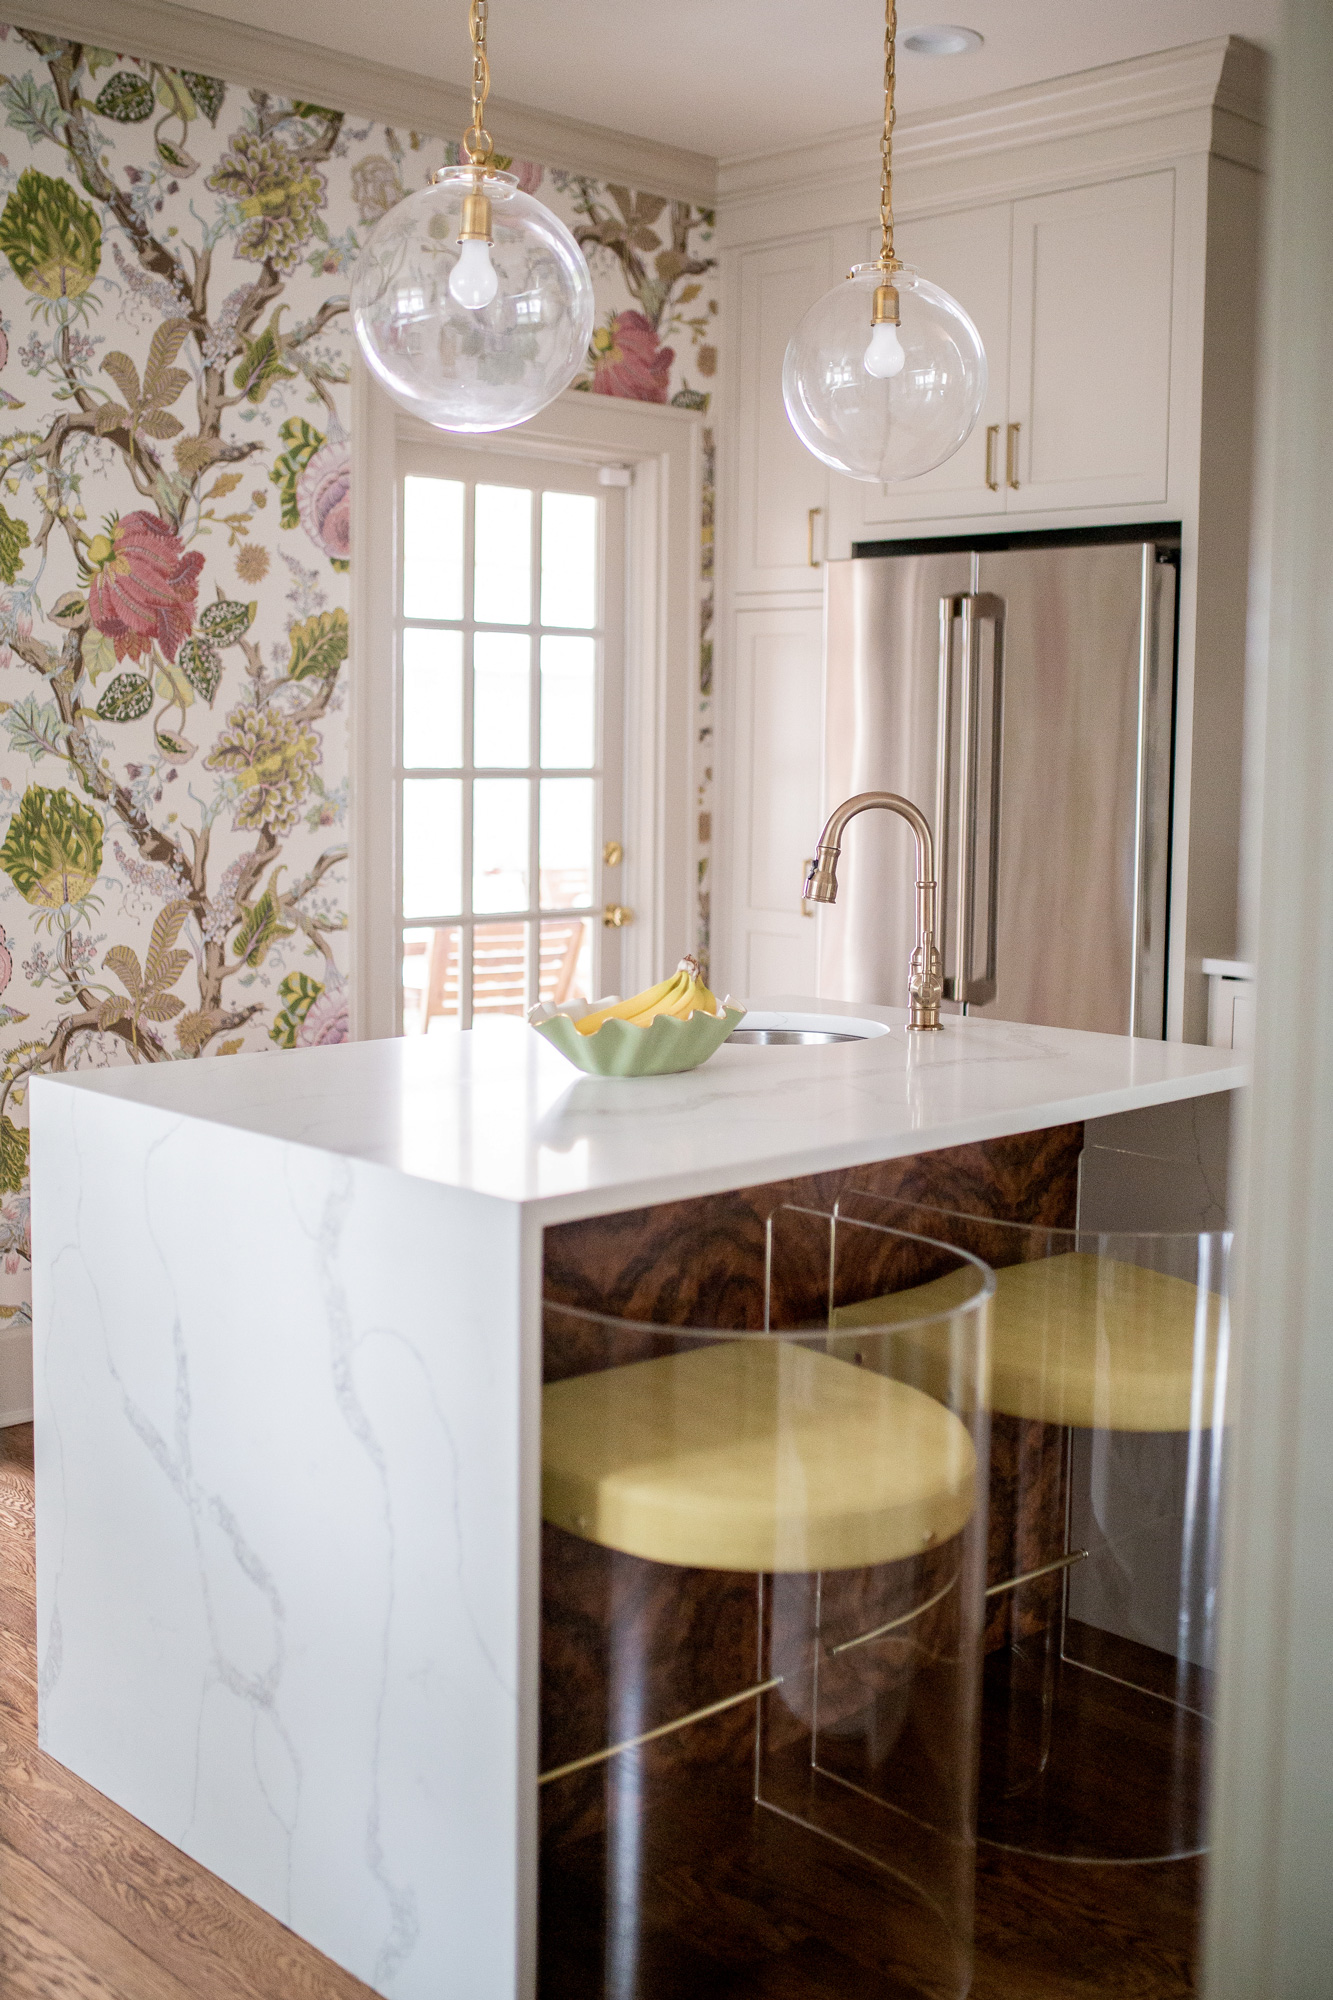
{"x": 477, "y": 140}
{"x": 888, "y": 261}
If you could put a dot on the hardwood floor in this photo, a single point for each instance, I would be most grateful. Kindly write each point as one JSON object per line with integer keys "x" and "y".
{"x": 95, "y": 1907}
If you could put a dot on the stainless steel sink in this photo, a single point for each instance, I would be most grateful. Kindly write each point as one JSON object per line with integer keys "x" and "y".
{"x": 763, "y": 1028}
{"x": 789, "y": 1037}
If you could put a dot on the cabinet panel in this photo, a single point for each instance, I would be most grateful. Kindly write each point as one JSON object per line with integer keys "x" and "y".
{"x": 968, "y": 255}
{"x": 778, "y": 481}
{"x": 1091, "y": 344}
{"x": 774, "y": 774}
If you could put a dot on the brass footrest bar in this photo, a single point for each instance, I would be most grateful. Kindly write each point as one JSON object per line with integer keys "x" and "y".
{"x": 663, "y": 1729}
{"x": 1031, "y": 1575}
{"x": 880, "y": 1631}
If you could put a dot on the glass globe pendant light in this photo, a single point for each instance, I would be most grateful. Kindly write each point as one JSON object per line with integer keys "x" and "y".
{"x": 472, "y": 302}
{"x": 886, "y": 374}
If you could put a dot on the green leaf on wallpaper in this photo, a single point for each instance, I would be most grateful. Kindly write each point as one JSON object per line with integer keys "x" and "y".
{"x": 262, "y": 364}
{"x": 31, "y": 107}
{"x": 97, "y": 59}
{"x": 98, "y": 653}
{"x": 53, "y": 850}
{"x": 126, "y": 98}
{"x": 303, "y": 441}
{"x": 208, "y": 93}
{"x": 261, "y": 926}
{"x": 299, "y": 993}
{"x": 174, "y": 687}
{"x": 51, "y": 238}
{"x": 319, "y": 646}
{"x": 13, "y": 1155}
{"x": 201, "y": 667}
{"x": 36, "y": 728}
{"x": 128, "y": 697}
{"x": 14, "y": 539}
{"x": 227, "y": 620}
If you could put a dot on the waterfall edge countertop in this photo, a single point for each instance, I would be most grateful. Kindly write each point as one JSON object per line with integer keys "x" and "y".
{"x": 500, "y": 1113}
{"x": 287, "y": 1333}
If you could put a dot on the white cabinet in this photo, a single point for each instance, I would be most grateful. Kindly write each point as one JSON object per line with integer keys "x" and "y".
{"x": 1072, "y": 294}
{"x": 781, "y": 491}
{"x": 776, "y": 704}
{"x": 1090, "y": 353}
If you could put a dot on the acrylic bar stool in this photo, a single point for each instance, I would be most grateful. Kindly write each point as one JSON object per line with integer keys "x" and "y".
{"x": 1108, "y": 1392}
{"x": 761, "y": 1614}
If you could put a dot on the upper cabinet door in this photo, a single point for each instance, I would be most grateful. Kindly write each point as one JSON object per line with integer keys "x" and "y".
{"x": 782, "y": 490}
{"x": 967, "y": 254}
{"x": 1090, "y": 364}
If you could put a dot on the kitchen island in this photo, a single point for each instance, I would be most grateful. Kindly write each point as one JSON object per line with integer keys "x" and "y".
{"x": 288, "y": 1375}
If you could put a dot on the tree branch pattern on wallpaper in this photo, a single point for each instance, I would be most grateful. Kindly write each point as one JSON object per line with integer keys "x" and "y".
{"x": 174, "y": 547}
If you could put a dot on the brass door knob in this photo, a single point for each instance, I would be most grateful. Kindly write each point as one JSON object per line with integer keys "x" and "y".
{"x": 613, "y": 854}
{"x": 615, "y": 916}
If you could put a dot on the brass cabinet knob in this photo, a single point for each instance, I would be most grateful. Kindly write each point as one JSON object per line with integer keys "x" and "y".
{"x": 615, "y": 916}
{"x": 613, "y": 854}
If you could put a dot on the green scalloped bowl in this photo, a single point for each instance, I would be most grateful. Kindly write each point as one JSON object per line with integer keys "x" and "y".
{"x": 663, "y": 1048}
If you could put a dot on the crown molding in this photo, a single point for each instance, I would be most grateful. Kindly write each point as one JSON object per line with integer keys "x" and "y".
{"x": 188, "y": 39}
{"x": 1215, "y": 90}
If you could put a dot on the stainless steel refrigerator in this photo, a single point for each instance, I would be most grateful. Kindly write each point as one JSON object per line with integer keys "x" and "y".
{"x": 1022, "y": 697}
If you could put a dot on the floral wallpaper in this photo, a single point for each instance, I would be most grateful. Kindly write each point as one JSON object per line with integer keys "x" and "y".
{"x": 174, "y": 548}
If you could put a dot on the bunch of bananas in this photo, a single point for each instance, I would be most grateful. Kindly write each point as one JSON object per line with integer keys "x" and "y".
{"x": 680, "y": 996}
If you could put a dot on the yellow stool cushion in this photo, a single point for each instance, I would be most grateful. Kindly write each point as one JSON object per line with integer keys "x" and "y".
{"x": 754, "y": 1455}
{"x": 1075, "y": 1339}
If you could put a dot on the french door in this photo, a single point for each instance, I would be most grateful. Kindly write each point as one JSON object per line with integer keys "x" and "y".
{"x": 509, "y": 698}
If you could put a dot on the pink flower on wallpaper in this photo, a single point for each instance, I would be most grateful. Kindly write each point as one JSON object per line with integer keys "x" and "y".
{"x": 324, "y": 499}
{"x": 327, "y": 1021}
{"x": 15, "y": 623}
{"x": 144, "y": 587}
{"x": 627, "y": 361}
{"x": 6, "y": 962}
{"x": 530, "y": 175}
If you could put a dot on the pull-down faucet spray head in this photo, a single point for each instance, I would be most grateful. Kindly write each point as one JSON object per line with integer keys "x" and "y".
{"x": 821, "y": 880}
{"x": 925, "y": 974}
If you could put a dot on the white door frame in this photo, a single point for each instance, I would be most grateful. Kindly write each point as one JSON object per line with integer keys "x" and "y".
{"x": 663, "y": 447}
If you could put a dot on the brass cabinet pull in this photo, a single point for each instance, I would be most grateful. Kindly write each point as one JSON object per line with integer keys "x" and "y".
{"x": 613, "y": 854}
{"x": 1011, "y": 456}
{"x": 810, "y": 520}
{"x": 615, "y": 916}
{"x": 992, "y": 439}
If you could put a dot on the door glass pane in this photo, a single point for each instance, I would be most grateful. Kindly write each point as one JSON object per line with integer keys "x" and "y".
{"x": 569, "y": 702}
{"x": 502, "y": 578}
{"x": 500, "y": 844}
{"x": 432, "y": 846}
{"x": 430, "y": 978}
{"x": 565, "y": 845}
{"x": 569, "y": 559}
{"x": 499, "y": 968}
{"x": 566, "y": 961}
{"x": 501, "y": 667}
{"x": 433, "y": 548}
{"x": 432, "y": 699}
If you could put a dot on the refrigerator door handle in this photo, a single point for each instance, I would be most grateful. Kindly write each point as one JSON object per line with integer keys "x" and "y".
{"x": 961, "y": 807}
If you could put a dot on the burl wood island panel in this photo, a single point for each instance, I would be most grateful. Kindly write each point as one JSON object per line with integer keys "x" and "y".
{"x": 708, "y": 1909}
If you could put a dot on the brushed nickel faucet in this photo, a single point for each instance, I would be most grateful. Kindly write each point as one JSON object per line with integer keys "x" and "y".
{"x": 925, "y": 976}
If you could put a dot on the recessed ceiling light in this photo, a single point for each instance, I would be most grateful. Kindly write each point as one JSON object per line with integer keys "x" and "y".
{"x": 942, "y": 41}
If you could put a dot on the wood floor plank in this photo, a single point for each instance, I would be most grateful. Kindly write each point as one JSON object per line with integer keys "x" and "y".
{"x": 53, "y": 1947}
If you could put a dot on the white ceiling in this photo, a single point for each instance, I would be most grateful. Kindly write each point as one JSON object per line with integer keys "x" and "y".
{"x": 729, "y": 77}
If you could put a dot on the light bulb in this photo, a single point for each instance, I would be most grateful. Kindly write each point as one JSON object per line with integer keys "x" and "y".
{"x": 884, "y": 356}
{"x": 473, "y": 282}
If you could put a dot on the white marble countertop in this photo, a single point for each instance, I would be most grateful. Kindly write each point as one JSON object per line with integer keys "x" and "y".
{"x": 499, "y": 1112}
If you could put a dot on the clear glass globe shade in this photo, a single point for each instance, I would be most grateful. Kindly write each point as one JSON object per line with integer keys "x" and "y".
{"x": 461, "y": 366}
{"x": 890, "y": 426}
